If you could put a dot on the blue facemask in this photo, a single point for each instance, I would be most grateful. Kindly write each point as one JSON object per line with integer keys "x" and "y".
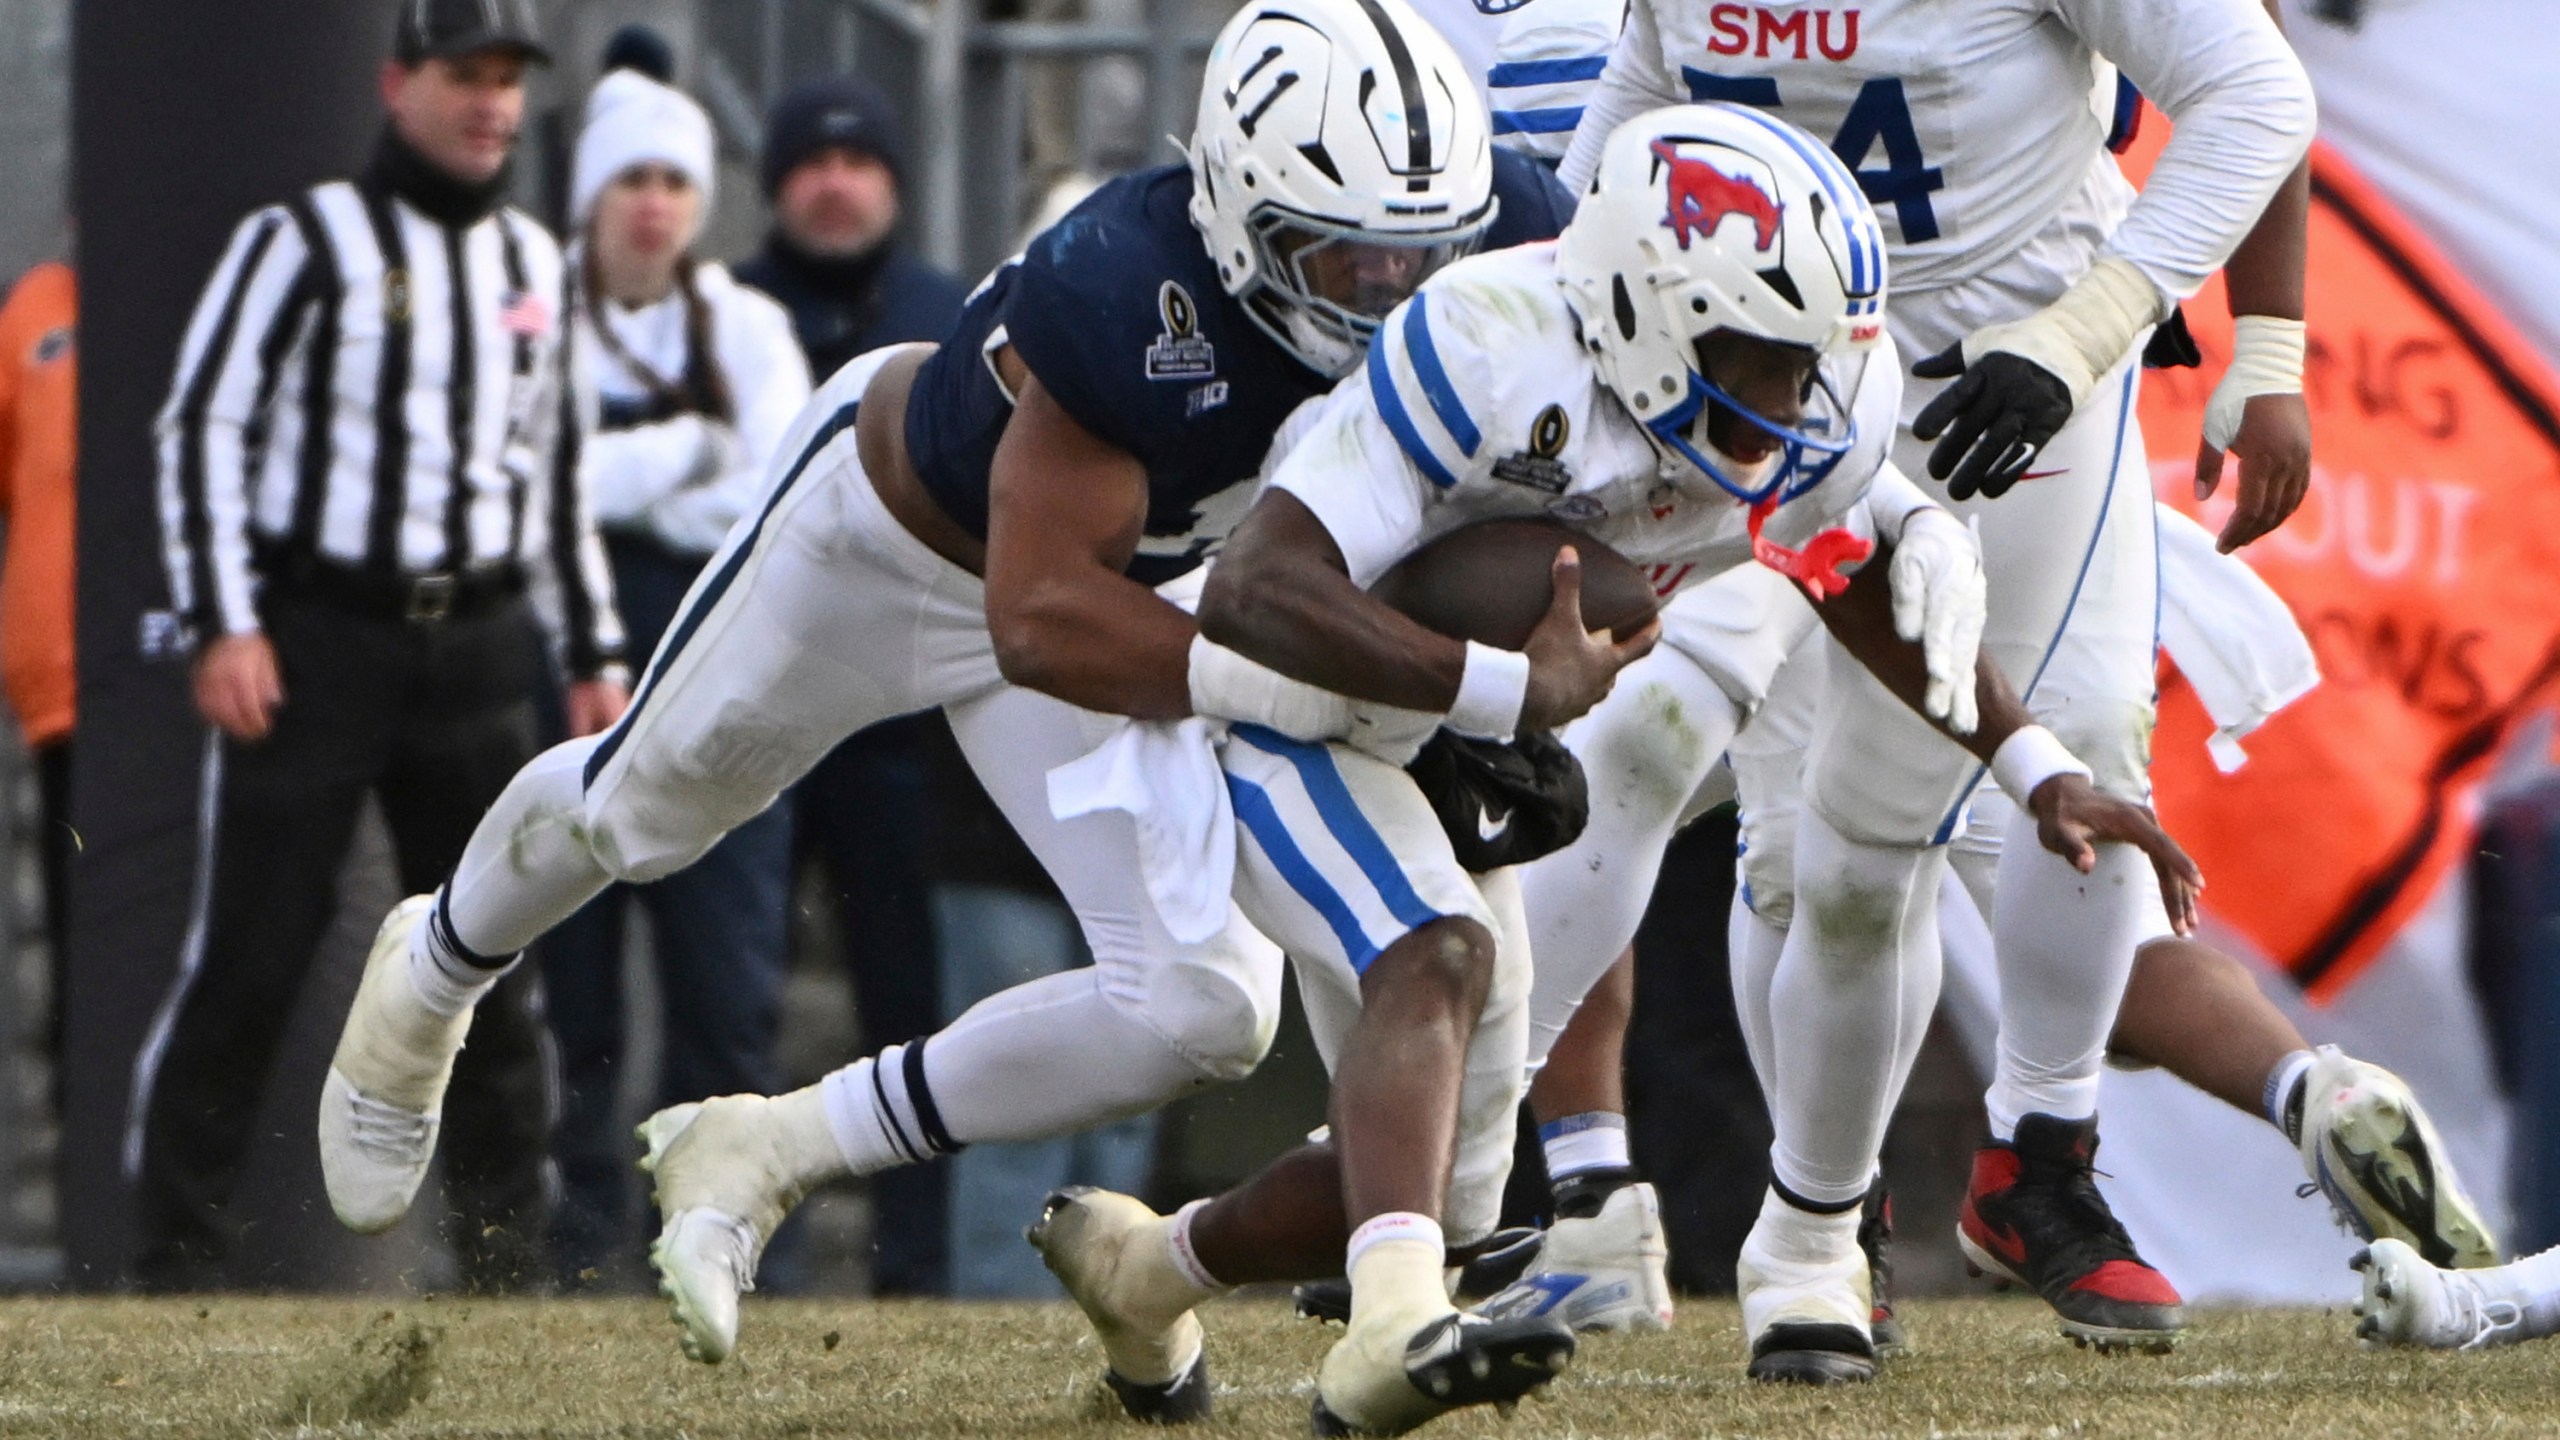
{"x": 1806, "y": 455}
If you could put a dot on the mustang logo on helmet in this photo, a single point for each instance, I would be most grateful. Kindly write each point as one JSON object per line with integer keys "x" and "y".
{"x": 1702, "y": 196}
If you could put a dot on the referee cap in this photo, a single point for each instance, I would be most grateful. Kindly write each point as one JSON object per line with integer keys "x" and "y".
{"x": 431, "y": 29}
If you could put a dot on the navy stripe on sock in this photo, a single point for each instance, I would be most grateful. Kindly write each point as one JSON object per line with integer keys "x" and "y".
{"x": 889, "y": 1117}
{"x": 920, "y": 1096}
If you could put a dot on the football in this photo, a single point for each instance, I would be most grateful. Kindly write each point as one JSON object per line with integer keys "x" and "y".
{"x": 1491, "y": 582}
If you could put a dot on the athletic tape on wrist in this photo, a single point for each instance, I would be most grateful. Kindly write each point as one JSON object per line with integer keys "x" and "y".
{"x": 2028, "y": 758}
{"x": 1491, "y": 691}
{"x": 1226, "y": 685}
{"x": 2266, "y": 359}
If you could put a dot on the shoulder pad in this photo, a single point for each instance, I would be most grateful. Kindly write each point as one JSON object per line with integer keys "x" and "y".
{"x": 1432, "y": 371}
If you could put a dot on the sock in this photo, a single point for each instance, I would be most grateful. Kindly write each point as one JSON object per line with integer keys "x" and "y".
{"x": 1592, "y": 1140}
{"x": 448, "y": 977}
{"x": 804, "y": 1135}
{"x": 1184, "y": 1258}
{"x": 1394, "y": 1261}
{"x": 1786, "y": 1231}
{"x": 881, "y": 1112}
{"x": 2284, "y": 1093}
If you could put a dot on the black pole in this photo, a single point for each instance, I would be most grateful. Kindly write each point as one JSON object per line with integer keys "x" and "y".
{"x": 184, "y": 119}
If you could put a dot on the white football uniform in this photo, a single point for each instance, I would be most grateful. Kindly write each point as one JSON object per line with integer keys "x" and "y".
{"x": 1479, "y": 402}
{"x": 1547, "y": 56}
{"x": 1970, "y": 127}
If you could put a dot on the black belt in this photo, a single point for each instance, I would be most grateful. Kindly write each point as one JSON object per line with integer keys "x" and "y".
{"x": 424, "y": 598}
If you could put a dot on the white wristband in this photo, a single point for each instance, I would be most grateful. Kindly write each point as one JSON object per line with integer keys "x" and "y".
{"x": 2028, "y": 758}
{"x": 1491, "y": 691}
{"x": 2266, "y": 359}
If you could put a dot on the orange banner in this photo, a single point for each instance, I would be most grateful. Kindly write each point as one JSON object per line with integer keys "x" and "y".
{"x": 2424, "y": 565}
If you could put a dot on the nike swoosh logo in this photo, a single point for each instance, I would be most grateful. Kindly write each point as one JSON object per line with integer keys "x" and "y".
{"x": 1492, "y": 827}
{"x": 2006, "y": 1242}
{"x": 2044, "y": 474}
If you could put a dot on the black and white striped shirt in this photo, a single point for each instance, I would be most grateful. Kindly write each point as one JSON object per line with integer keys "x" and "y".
{"x": 366, "y": 386}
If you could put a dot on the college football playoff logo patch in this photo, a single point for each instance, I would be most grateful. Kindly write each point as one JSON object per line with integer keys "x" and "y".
{"x": 1179, "y": 353}
{"x": 1538, "y": 466}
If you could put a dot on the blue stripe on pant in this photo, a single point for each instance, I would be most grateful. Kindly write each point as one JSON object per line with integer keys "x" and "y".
{"x": 1322, "y": 780}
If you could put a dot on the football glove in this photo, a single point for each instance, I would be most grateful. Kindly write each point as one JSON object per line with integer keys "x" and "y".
{"x": 1938, "y": 595}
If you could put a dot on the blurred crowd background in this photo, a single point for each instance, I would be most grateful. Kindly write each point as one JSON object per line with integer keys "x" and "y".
{"x": 866, "y": 160}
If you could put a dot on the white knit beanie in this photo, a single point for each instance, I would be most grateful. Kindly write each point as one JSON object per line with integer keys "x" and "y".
{"x": 634, "y": 120}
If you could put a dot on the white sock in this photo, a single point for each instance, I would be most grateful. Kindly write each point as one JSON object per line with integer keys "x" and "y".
{"x": 1186, "y": 1259}
{"x": 1395, "y": 1264}
{"x": 881, "y": 1112}
{"x": 1863, "y": 913}
{"x": 2064, "y": 944}
{"x": 1802, "y": 1237}
{"x": 448, "y": 978}
{"x": 2280, "y": 1084}
{"x": 1592, "y": 1140}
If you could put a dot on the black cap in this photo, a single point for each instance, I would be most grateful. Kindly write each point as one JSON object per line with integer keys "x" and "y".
{"x": 638, "y": 47}
{"x": 825, "y": 113}
{"x": 447, "y": 28}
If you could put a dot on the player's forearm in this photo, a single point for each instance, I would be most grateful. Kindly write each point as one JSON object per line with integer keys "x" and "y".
{"x": 2265, "y": 273}
{"x": 1861, "y": 619}
{"x": 1308, "y": 621}
{"x": 1098, "y": 640}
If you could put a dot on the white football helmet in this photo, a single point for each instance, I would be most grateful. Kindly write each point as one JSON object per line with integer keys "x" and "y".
{"x": 1341, "y": 156}
{"x": 1718, "y": 217}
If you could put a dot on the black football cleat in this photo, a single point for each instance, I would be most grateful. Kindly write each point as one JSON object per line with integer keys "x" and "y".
{"x": 1371, "y": 1386}
{"x": 2033, "y": 1216}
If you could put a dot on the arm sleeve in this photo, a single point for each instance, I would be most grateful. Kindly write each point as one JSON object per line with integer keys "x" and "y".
{"x": 629, "y": 471}
{"x": 1636, "y": 81}
{"x": 2243, "y": 113}
{"x": 591, "y": 629}
{"x": 771, "y": 380}
{"x": 224, "y": 364}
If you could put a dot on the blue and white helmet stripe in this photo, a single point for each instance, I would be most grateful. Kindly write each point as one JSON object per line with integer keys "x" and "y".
{"x": 1857, "y": 218}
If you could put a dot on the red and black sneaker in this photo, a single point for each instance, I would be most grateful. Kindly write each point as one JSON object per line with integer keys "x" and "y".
{"x": 1875, "y": 1237}
{"x": 2033, "y": 1215}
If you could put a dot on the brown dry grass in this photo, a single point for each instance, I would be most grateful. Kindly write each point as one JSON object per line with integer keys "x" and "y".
{"x": 1992, "y": 1367}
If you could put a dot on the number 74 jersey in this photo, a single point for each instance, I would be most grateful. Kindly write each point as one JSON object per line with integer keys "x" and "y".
{"x": 1968, "y": 123}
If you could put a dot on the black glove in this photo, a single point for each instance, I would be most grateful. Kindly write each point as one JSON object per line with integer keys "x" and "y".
{"x": 1503, "y": 804}
{"x": 1996, "y": 419}
{"x": 2172, "y": 345}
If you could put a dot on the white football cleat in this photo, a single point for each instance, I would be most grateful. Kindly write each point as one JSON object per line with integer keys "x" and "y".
{"x": 2407, "y": 1301}
{"x": 1605, "y": 1272}
{"x": 1809, "y": 1324}
{"x": 1393, "y": 1371}
{"x": 2370, "y": 1148}
{"x": 383, "y": 1100}
{"x": 1095, "y": 1242}
{"x": 727, "y": 1170}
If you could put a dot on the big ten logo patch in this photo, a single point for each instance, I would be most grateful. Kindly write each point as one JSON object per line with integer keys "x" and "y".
{"x": 1539, "y": 466}
{"x": 1179, "y": 351}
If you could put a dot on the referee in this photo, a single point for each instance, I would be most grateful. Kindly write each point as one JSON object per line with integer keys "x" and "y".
{"x": 368, "y": 449}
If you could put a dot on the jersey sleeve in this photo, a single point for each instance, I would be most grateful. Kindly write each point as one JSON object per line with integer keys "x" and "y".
{"x": 1404, "y": 443}
{"x": 1533, "y": 205}
{"x": 2243, "y": 112}
{"x": 1636, "y": 80}
{"x": 1069, "y": 316}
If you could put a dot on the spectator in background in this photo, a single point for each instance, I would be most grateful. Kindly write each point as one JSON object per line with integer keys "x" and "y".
{"x": 367, "y": 444}
{"x": 695, "y": 379}
{"x": 37, "y": 422}
{"x": 832, "y": 162}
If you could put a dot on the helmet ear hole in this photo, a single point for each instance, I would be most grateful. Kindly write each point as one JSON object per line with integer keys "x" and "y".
{"x": 1624, "y": 307}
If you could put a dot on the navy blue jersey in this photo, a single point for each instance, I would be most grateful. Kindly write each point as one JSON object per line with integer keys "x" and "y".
{"x": 1118, "y": 311}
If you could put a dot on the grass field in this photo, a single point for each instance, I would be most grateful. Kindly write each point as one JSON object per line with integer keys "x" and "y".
{"x": 1990, "y": 1367}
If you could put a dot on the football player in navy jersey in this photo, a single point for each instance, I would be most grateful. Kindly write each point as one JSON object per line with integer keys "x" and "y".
{"x": 977, "y": 528}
